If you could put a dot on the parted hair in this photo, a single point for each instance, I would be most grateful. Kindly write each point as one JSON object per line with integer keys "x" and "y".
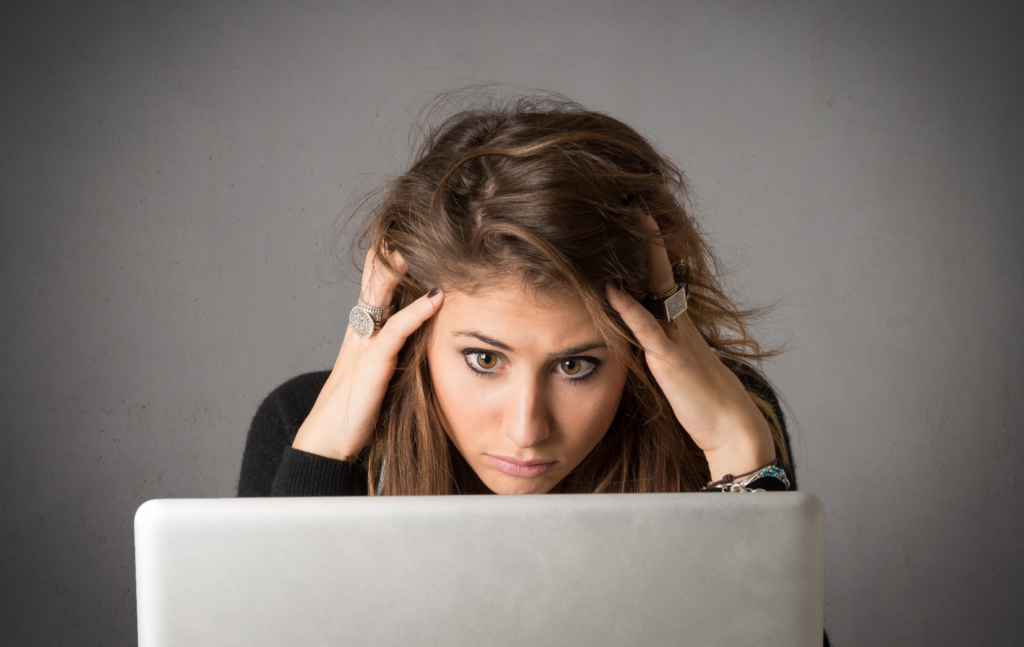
{"x": 537, "y": 191}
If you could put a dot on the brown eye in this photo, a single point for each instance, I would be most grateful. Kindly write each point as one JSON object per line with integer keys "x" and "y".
{"x": 571, "y": 366}
{"x": 486, "y": 360}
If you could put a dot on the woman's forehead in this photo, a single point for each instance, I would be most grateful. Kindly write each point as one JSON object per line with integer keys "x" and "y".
{"x": 513, "y": 313}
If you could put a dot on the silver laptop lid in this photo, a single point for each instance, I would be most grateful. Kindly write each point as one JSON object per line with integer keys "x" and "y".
{"x": 640, "y": 569}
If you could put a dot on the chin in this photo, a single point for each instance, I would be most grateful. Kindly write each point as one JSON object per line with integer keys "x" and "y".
{"x": 521, "y": 486}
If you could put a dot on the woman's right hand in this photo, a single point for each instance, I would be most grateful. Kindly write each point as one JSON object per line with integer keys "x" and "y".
{"x": 342, "y": 421}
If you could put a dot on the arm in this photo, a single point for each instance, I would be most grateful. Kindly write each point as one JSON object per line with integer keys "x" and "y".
{"x": 307, "y": 436}
{"x": 271, "y": 467}
{"x": 708, "y": 399}
{"x": 756, "y": 384}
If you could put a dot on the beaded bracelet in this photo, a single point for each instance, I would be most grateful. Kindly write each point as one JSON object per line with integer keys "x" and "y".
{"x": 728, "y": 482}
{"x": 729, "y": 478}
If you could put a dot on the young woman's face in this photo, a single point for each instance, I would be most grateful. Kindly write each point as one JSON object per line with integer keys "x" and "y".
{"x": 526, "y": 384}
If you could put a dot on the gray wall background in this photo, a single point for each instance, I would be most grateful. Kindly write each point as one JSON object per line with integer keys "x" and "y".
{"x": 169, "y": 172}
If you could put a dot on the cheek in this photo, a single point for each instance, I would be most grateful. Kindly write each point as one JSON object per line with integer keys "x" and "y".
{"x": 587, "y": 414}
{"x": 460, "y": 394}
{"x": 587, "y": 421}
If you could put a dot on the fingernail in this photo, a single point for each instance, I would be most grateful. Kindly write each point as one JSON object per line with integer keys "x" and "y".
{"x": 433, "y": 293}
{"x": 616, "y": 285}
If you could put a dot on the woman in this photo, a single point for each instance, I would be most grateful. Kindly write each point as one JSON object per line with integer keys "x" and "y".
{"x": 501, "y": 342}
{"x": 538, "y": 313}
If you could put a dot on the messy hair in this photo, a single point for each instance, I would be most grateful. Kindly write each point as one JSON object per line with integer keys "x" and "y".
{"x": 542, "y": 193}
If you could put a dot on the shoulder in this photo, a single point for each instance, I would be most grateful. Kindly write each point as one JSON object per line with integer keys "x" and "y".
{"x": 288, "y": 404}
{"x": 273, "y": 429}
{"x": 299, "y": 388}
{"x": 751, "y": 378}
{"x": 757, "y": 384}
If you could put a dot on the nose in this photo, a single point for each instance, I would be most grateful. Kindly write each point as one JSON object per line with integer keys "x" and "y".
{"x": 529, "y": 423}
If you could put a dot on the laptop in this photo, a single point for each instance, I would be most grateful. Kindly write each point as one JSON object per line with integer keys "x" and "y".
{"x": 597, "y": 569}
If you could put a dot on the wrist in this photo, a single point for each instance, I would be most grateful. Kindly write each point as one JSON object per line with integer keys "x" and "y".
{"x": 747, "y": 451}
{"x": 311, "y": 443}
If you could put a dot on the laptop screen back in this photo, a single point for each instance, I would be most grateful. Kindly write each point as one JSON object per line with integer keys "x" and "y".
{"x": 636, "y": 569}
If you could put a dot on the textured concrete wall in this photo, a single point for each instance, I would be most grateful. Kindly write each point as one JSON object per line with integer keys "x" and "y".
{"x": 169, "y": 171}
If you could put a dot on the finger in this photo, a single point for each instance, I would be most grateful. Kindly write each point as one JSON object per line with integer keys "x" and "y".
{"x": 405, "y": 322}
{"x": 659, "y": 268}
{"x": 379, "y": 282}
{"x": 648, "y": 330}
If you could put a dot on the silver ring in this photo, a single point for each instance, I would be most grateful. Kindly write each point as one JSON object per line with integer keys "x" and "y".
{"x": 366, "y": 319}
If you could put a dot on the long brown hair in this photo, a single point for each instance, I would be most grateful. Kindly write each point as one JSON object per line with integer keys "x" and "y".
{"x": 543, "y": 192}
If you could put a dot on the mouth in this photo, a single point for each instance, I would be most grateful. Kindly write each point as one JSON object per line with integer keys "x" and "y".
{"x": 525, "y": 469}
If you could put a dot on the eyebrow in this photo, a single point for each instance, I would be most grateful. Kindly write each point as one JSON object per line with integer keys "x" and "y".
{"x": 568, "y": 352}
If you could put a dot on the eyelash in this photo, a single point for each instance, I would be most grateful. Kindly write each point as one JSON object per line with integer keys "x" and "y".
{"x": 593, "y": 361}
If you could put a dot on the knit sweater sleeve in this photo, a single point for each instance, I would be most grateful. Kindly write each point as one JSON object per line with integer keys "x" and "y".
{"x": 271, "y": 467}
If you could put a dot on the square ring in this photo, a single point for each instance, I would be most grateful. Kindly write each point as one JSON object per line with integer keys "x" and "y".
{"x": 669, "y": 309}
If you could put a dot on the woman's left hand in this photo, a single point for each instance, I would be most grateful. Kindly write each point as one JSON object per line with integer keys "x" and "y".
{"x": 707, "y": 398}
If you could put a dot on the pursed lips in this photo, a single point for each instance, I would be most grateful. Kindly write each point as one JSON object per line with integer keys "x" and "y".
{"x": 515, "y": 467}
